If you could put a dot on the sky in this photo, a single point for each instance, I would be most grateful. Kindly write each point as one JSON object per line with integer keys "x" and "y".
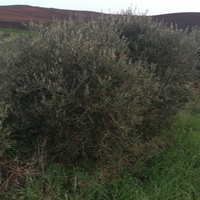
{"x": 150, "y": 7}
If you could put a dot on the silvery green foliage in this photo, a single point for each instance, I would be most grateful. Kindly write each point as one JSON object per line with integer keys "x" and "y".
{"x": 72, "y": 85}
{"x": 77, "y": 88}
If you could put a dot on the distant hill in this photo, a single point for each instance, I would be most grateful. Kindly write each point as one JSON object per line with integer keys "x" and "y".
{"x": 25, "y": 12}
{"x": 183, "y": 20}
{"x": 13, "y": 16}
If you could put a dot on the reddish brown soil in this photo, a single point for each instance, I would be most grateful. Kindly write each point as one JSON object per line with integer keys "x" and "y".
{"x": 13, "y": 16}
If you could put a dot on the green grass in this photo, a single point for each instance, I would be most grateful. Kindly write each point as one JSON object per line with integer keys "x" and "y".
{"x": 8, "y": 34}
{"x": 165, "y": 168}
{"x": 13, "y": 31}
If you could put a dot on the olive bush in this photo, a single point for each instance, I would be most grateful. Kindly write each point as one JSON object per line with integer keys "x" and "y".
{"x": 76, "y": 88}
{"x": 72, "y": 90}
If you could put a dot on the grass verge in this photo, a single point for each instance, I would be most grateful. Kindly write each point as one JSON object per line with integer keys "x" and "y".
{"x": 13, "y": 31}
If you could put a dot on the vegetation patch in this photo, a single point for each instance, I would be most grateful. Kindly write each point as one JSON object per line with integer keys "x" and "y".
{"x": 100, "y": 110}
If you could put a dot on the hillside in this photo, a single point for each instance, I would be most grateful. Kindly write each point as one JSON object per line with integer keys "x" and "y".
{"x": 183, "y": 20}
{"x": 39, "y": 13}
{"x": 12, "y": 16}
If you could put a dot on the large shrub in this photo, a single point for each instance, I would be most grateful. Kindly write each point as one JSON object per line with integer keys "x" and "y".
{"x": 72, "y": 91}
{"x": 78, "y": 89}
